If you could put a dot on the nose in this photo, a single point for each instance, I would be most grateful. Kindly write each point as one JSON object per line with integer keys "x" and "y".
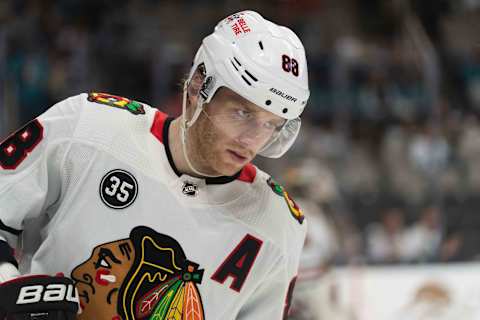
{"x": 247, "y": 138}
{"x": 253, "y": 138}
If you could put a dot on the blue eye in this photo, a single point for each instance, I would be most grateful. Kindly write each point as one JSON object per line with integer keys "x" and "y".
{"x": 243, "y": 114}
{"x": 270, "y": 126}
{"x": 274, "y": 125}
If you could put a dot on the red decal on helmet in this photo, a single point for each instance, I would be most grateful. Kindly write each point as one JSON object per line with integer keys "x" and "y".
{"x": 238, "y": 24}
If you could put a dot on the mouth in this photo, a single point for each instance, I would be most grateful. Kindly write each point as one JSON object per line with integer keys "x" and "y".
{"x": 103, "y": 277}
{"x": 237, "y": 157}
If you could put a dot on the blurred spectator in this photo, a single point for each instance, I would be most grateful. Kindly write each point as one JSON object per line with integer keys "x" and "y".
{"x": 350, "y": 239}
{"x": 359, "y": 173}
{"x": 469, "y": 152}
{"x": 399, "y": 173}
{"x": 385, "y": 240}
{"x": 451, "y": 248}
{"x": 429, "y": 151}
{"x": 422, "y": 239}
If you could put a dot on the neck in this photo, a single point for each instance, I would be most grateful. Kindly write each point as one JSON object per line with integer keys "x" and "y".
{"x": 175, "y": 143}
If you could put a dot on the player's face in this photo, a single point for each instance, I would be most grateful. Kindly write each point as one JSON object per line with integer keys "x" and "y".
{"x": 230, "y": 132}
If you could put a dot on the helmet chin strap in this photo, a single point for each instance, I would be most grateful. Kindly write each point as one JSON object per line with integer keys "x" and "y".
{"x": 186, "y": 124}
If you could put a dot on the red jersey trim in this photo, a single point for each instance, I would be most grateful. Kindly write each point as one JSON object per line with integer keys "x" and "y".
{"x": 248, "y": 173}
{"x": 157, "y": 125}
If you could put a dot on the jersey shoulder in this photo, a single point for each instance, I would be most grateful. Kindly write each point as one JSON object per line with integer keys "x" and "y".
{"x": 283, "y": 219}
{"x": 279, "y": 200}
{"x": 109, "y": 101}
{"x": 107, "y": 127}
{"x": 104, "y": 118}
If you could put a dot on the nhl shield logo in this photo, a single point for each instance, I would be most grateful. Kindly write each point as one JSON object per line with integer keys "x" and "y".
{"x": 190, "y": 189}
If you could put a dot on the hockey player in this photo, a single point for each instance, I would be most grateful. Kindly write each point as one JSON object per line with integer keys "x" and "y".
{"x": 158, "y": 218}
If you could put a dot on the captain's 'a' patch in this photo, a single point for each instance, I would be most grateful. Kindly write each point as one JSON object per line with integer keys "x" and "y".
{"x": 111, "y": 100}
{"x": 292, "y": 205}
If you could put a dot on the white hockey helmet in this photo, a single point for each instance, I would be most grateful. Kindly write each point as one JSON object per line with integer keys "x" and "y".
{"x": 262, "y": 62}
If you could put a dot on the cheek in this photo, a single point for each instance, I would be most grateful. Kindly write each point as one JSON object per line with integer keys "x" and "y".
{"x": 208, "y": 138}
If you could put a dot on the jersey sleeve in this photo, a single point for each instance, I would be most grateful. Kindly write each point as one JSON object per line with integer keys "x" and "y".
{"x": 271, "y": 300}
{"x": 272, "y": 297}
{"x": 30, "y": 169}
{"x": 286, "y": 228}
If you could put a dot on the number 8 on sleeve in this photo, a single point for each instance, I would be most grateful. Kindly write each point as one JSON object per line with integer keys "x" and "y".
{"x": 17, "y": 146}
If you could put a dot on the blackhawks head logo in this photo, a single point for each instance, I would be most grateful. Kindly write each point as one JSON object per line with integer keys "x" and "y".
{"x": 146, "y": 276}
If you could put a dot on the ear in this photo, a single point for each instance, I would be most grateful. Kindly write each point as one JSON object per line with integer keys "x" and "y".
{"x": 195, "y": 85}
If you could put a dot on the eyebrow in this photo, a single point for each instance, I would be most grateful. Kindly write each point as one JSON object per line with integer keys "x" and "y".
{"x": 249, "y": 108}
{"x": 246, "y": 104}
{"x": 239, "y": 99}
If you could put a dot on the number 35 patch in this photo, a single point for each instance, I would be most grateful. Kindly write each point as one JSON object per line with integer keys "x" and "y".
{"x": 118, "y": 189}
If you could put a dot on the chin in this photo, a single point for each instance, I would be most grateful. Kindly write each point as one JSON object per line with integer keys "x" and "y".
{"x": 229, "y": 169}
{"x": 225, "y": 165}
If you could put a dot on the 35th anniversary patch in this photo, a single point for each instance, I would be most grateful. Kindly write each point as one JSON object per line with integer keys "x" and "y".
{"x": 118, "y": 189}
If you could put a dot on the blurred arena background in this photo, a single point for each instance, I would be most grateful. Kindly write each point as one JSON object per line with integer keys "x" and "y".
{"x": 387, "y": 166}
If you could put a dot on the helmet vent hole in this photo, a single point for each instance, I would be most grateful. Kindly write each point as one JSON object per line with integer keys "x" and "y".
{"x": 233, "y": 64}
{"x": 238, "y": 62}
{"x": 246, "y": 80}
{"x": 268, "y": 102}
{"x": 285, "y": 110}
{"x": 260, "y": 44}
{"x": 251, "y": 76}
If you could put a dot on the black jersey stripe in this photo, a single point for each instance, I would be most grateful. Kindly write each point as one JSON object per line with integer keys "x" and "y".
{"x": 13, "y": 231}
{"x": 6, "y": 253}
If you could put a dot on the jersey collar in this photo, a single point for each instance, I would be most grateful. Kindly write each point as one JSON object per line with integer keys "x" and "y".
{"x": 159, "y": 129}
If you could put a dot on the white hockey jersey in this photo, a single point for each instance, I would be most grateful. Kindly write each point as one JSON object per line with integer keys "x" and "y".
{"x": 89, "y": 189}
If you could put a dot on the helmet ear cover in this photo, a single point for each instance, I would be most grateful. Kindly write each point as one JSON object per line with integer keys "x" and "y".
{"x": 196, "y": 82}
{"x": 192, "y": 87}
